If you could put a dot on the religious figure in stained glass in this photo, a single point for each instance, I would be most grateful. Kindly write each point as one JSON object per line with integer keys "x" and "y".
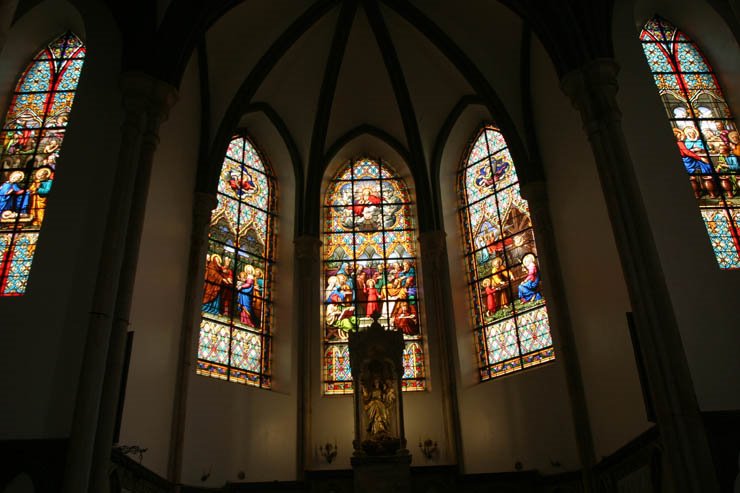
{"x": 706, "y": 135}
{"x": 512, "y": 330}
{"x": 369, "y": 268}
{"x": 30, "y": 141}
{"x": 237, "y": 302}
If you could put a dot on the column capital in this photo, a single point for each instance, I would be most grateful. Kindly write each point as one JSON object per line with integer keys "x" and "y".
{"x": 203, "y": 205}
{"x": 592, "y": 89}
{"x": 148, "y": 95}
{"x": 534, "y": 192}
{"x": 307, "y": 247}
{"x": 433, "y": 246}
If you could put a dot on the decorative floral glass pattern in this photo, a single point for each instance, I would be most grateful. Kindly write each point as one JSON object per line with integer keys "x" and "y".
{"x": 31, "y": 139}
{"x": 236, "y": 310}
{"x": 512, "y": 330}
{"x": 706, "y": 135}
{"x": 369, "y": 268}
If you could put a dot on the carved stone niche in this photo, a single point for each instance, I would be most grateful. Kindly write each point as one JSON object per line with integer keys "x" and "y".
{"x": 380, "y": 460}
{"x": 376, "y": 359}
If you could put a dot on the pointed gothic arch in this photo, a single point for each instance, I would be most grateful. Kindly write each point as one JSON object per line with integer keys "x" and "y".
{"x": 511, "y": 325}
{"x": 236, "y": 311}
{"x": 370, "y": 268}
{"x": 705, "y": 132}
{"x": 32, "y": 136}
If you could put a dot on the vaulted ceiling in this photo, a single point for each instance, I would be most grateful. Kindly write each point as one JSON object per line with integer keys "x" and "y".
{"x": 329, "y": 72}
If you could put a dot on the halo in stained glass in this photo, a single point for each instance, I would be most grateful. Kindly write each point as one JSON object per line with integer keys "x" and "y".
{"x": 42, "y": 98}
{"x": 705, "y": 132}
{"x": 369, "y": 267}
{"x": 511, "y": 327}
{"x": 235, "y": 331}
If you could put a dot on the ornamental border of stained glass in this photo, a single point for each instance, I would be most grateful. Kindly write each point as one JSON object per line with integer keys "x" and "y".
{"x": 369, "y": 241}
{"x": 237, "y": 309}
{"x": 31, "y": 139}
{"x": 705, "y": 132}
{"x": 511, "y": 329}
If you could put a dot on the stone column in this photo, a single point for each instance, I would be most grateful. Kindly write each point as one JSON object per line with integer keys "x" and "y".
{"x": 7, "y": 12}
{"x": 559, "y": 315}
{"x": 307, "y": 289}
{"x": 146, "y": 101}
{"x": 203, "y": 205}
{"x": 437, "y": 304}
{"x": 592, "y": 89}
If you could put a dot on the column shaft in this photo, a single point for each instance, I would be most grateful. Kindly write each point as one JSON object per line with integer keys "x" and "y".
{"x": 203, "y": 205}
{"x": 146, "y": 101}
{"x": 438, "y": 309}
{"x": 7, "y": 12}
{"x": 559, "y": 314}
{"x": 593, "y": 92}
{"x": 308, "y": 303}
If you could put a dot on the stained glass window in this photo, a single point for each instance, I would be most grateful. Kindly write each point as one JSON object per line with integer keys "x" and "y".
{"x": 369, "y": 269}
{"x": 31, "y": 139}
{"x": 511, "y": 327}
{"x": 706, "y": 135}
{"x": 234, "y": 342}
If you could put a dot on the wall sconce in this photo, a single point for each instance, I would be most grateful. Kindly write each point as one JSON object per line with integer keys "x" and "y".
{"x": 328, "y": 451}
{"x": 428, "y": 448}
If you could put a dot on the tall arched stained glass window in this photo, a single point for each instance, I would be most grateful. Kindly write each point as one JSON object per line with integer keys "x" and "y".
{"x": 32, "y": 136}
{"x": 369, "y": 268}
{"x": 512, "y": 331}
{"x": 236, "y": 309}
{"x": 706, "y": 135}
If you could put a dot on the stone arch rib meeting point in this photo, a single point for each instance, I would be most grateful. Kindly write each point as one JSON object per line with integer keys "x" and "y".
{"x": 475, "y": 78}
{"x": 208, "y": 170}
{"x": 323, "y": 115}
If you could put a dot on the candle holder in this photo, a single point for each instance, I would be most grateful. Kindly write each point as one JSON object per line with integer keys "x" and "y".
{"x": 428, "y": 448}
{"x": 328, "y": 451}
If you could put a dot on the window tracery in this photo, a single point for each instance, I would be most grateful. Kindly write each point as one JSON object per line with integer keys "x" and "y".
{"x": 370, "y": 268}
{"x": 706, "y": 135}
{"x": 511, "y": 326}
{"x": 32, "y": 136}
{"x": 235, "y": 338}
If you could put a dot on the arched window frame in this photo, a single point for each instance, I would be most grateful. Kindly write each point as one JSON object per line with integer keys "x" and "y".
{"x": 235, "y": 338}
{"x": 511, "y": 327}
{"x": 336, "y": 372}
{"x": 705, "y": 131}
{"x": 32, "y": 137}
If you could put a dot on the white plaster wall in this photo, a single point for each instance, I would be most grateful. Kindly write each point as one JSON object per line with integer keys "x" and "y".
{"x": 161, "y": 280}
{"x": 704, "y": 297}
{"x": 523, "y": 417}
{"x": 42, "y": 334}
{"x": 595, "y": 289}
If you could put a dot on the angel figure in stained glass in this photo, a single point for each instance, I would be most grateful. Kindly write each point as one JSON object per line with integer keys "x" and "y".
{"x": 529, "y": 288}
{"x": 241, "y": 185}
{"x": 487, "y": 178}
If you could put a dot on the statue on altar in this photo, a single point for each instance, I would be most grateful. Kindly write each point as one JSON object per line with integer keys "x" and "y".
{"x": 378, "y": 402}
